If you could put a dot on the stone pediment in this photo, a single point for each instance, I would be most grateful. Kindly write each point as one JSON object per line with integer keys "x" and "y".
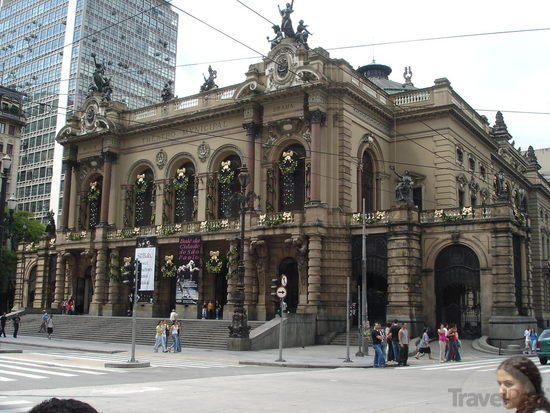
{"x": 95, "y": 116}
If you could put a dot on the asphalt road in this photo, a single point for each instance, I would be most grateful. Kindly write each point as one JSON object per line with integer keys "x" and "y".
{"x": 180, "y": 382}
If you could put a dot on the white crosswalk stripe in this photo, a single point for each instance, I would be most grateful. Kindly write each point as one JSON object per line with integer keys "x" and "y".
{"x": 14, "y": 406}
{"x": 168, "y": 360}
{"x": 482, "y": 365}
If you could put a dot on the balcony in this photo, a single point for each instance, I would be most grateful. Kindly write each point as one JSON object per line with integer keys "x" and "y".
{"x": 370, "y": 218}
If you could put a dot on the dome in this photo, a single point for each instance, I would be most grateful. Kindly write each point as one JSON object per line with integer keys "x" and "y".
{"x": 379, "y": 75}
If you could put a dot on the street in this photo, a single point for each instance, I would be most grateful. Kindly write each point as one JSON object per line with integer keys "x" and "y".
{"x": 217, "y": 382}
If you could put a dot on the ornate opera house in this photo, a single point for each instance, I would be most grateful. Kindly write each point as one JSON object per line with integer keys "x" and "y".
{"x": 457, "y": 218}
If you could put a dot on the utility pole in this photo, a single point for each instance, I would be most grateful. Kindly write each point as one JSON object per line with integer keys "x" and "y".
{"x": 347, "y": 359}
{"x": 137, "y": 275}
{"x": 364, "y": 306}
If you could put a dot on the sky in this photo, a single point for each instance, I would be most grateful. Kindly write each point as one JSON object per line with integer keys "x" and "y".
{"x": 507, "y": 72}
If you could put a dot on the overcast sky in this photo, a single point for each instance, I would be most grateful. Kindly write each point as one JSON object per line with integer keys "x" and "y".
{"x": 500, "y": 72}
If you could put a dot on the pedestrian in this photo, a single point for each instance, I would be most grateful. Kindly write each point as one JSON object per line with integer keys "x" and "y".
{"x": 16, "y": 323}
{"x": 72, "y": 307}
{"x": 63, "y": 405}
{"x": 377, "y": 342}
{"x": 453, "y": 353}
{"x": 204, "y": 312}
{"x": 527, "y": 337}
{"x": 49, "y": 325}
{"x": 394, "y": 331}
{"x": 175, "y": 333}
{"x": 173, "y": 316}
{"x": 404, "y": 345}
{"x": 43, "y": 321}
{"x": 389, "y": 347}
{"x": 63, "y": 307}
{"x": 520, "y": 386}
{"x": 442, "y": 338}
{"x": 210, "y": 307}
{"x": 424, "y": 345}
{"x": 533, "y": 338}
{"x": 160, "y": 330}
{"x": 3, "y": 320}
{"x": 218, "y": 310}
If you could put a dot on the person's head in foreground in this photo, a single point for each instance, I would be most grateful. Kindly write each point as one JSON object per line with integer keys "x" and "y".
{"x": 520, "y": 386}
{"x": 55, "y": 405}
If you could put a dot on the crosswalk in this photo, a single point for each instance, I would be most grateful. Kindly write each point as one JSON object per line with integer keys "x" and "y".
{"x": 156, "y": 359}
{"x": 481, "y": 365}
{"x": 15, "y": 406}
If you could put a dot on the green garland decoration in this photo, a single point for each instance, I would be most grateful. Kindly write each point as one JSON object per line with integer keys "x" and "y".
{"x": 181, "y": 184}
{"x": 214, "y": 266}
{"x": 225, "y": 177}
{"x": 288, "y": 164}
{"x": 232, "y": 261}
{"x": 141, "y": 186}
{"x": 94, "y": 193}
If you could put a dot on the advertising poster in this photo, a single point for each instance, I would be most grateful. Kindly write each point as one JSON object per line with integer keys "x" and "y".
{"x": 146, "y": 251}
{"x": 189, "y": 255}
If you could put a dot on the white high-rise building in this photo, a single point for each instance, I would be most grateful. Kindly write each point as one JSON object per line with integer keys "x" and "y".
{"x": 47, "y": 51}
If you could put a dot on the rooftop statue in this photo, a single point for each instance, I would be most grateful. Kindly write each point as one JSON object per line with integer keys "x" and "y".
{"x": 101, "y": 84}
{"x": 286, "y": 25}
{"x": 404, "y": 187}
{"x": 302, "y": 34}
{"x": 167, "y": 93}
{"x": 50, "y": 227}
{"x": 209, "y": 83}
{"x": 278, "y": 36}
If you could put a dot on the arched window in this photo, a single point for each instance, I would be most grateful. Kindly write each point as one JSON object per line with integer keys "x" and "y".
{"x": 367, "y": 183}
{"x": 183, "y": 185}
{"x": 93, "y": 198}
{"x": 144, "y": 198}
{"x": 292, "y": 178}
{"x": 228, "y": 185}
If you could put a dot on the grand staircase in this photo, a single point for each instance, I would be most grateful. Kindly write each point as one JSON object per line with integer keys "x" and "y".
{"x": 340, "y": 338}
{"x": 207, "y": 334}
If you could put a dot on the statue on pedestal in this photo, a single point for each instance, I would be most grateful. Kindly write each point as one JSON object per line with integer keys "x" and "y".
{"x": 167, "y": 93}
{"x": 286, "y": 25}
{"x": 209, "y": 83}
{"x": 404, "y": 187}
{"x": 302, "y": 34}
{"x": 102, "y": 84}
{"x": 278, "y": 36}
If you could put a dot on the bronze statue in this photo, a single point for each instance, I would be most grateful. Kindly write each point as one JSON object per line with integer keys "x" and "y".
{"x": 500, "y": 187}
{"x": 302, "y": 34}
{"x": 209, "y": 83}
{"x": 278, "y": 36}
{"x": 167, "y": 92}
{"x": 404, "y": 187}
{"x": 286, "y": 25}
{"x": 102, "y": 84}
{"x": 50, "y": 227}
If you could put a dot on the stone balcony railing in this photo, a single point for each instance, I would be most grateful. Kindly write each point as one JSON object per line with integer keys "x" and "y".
{"x": 370, "y": 218}
{"x": 457, "y": 215}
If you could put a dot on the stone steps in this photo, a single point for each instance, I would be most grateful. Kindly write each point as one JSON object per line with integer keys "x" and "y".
{"x": 340, "y": 338}
{"x": 206, "y": 334}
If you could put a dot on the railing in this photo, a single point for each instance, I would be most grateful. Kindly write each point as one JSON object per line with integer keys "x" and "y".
{"x": 377, "y": 217}
{"x": 275, "y": 218}
{"x": 412, "y": 98}
{"x": 78, "y": 236}
{"x": 186, "y": 104}
{"x": 457, "y": 214}
{"x": 146, "y": 114}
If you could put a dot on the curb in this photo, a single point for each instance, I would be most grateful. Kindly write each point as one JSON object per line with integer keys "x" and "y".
{"x": 61, "y": 347}
{"x": 7, "y": 351}
{"x": 128, "y": 365}
{"x": 302, "y": 365}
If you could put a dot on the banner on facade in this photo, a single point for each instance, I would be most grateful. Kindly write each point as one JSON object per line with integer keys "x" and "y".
{"x": 146, "y": 252}
{"x": 189, "y": 256}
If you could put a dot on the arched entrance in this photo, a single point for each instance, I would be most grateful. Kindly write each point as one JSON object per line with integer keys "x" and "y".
{"x": 84, "y": 292}
{"x": 31, "y": 287}
{"x": 457, "y": 289}
{"x": 289, "y": 267}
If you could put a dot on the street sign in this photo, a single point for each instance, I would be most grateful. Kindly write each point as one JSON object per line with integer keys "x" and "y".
{"x": 281, "y": 292}
{"x": 284, "y": 280}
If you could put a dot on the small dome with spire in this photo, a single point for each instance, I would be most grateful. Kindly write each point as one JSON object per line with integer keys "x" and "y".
{"x": 379, "y": 75}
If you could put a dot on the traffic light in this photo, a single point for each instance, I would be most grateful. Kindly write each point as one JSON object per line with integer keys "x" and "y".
{"x": 275, "y": 283}
{"x": 128, "y": 272}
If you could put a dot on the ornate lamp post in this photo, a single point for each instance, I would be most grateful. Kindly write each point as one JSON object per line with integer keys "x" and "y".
{"x": 239, "y": 329}
{"x": 6, "y": 166}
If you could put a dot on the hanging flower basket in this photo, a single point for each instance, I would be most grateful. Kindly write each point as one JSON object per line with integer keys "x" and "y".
{"x": 288, "y": 163}
{"x": 215, "y": 264}
{"x": 225, "y": 174}
{"x": 94, "y": 193}
{"x": 141, "y": 184}
{"x": 168, "y": 270}
{"x": 181, "y": 181}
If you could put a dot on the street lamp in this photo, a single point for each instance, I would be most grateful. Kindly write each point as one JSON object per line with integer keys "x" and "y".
{"x": 12, "y": 205}
{"x": 6, "y": 166}
{"x": 239, "y": 328}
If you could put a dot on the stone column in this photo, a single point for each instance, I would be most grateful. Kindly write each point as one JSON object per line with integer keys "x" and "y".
{"x": 404, "y": 268}
{"x": 314, "y": 278}
{"x": 252, "y": 129}
{"x": 231, "y": 289}
{"x": 504, "y": 300}
{"x": 100, "y": 282}
{"x": 113, "y": 305}
{"x": 20, "y": 278}
{"x": 41, "y": 274}
{"x": 69, "y": 277}
{"x": 108, "y": 159}
{"x": 59, "y": 280}
{"x": 69, "y": 165}
{"x": 317, "y": 118}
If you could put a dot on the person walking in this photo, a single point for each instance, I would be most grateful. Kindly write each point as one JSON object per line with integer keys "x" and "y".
{"x": 173, "y": 316}
{"x": 394, "y": 331}
{"x": 452, "y": 336}
{"x": 424, "y": 345}
{"x": 49, "y": 326}
{"x": 218, "y": 310}
{"x": 527, "y": 337}
{"x": 442, "y": 338}
{"x": 175, "y": 333}
{"x": 533, "y": 337}
{"x": 377, "y": 341}
{"x": 204, "y": 312}
{"x": 3, "y": 320}
{"x": 404, "y": 345}
{"x": 389, "y": 347}
{"x": 43, "y": 321}
{"x": 210, "y": 307}
{"x": 16, "y": 323}
{"x": 160, "y": 330}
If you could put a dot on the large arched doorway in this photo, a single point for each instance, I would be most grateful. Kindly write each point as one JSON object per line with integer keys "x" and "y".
{"x": 84, "y": 292}
{"x": 457, "y": 289}
{"x": 31, "y": 287}
{"x": 289, "y": 267}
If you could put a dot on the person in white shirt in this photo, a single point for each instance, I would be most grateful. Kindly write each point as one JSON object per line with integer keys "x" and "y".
{"x": 527, "y": 336}
{"x": 173, "y": 315}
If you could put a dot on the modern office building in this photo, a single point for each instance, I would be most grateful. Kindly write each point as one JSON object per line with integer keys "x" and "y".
{"x": 48, "y": 49}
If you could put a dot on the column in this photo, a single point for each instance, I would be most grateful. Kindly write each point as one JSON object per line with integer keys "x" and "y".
{"x": 252, "y": 130}
{"x": 69, "y": 277}
{"x": 314, "y": 278}
{"x": 112, "y": 306}
{"x": 317, "y": 118}
{"x": 20, "y": 278}
{"x": 108, "y": 159}
{"x": 59, "y": 280}
{"x": 504, "y": 301}
{"x": 41, "y": 275}
{"x": 100, "y": 282}
{"x": 250, "y": 289}
{"x": 69, "y": 165}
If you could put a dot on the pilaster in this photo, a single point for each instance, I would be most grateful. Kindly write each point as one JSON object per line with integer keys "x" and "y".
{"x": 59, "y": 280}
{"x": 314, "y": 278}
{"x": 100, "y": 283}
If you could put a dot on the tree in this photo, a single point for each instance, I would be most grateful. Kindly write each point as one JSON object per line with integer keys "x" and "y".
{"x": 26, "y": 228}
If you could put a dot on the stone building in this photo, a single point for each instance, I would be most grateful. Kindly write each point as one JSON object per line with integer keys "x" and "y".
{"x": 467, "y": 242}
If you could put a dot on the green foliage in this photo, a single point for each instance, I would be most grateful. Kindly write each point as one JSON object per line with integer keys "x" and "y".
{"x": 8, "y": 263}
{"x": 26, "y": 228}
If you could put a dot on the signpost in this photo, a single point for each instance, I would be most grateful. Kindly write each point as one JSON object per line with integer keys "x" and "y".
{"x": 281, "y": 293}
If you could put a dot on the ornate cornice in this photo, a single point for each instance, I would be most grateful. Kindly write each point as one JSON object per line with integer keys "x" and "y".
{"x": 318, "y": 116}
